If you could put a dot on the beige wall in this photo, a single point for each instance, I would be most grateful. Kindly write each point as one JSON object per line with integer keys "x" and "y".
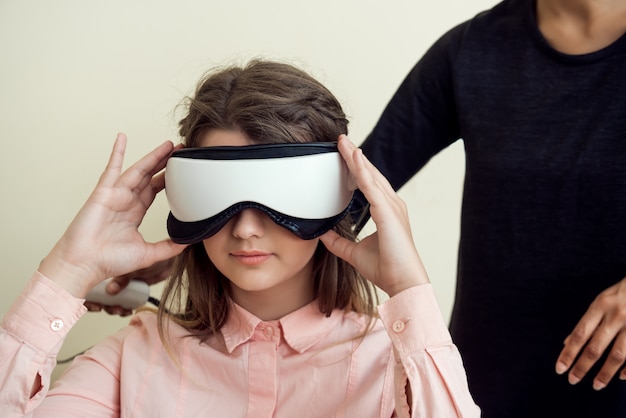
{"x": 74, "y": 73}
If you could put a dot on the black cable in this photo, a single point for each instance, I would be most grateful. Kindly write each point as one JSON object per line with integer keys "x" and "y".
{"x": 69, "y": 359}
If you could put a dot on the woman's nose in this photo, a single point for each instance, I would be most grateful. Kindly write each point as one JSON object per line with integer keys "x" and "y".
{"x": 249, "y": 223}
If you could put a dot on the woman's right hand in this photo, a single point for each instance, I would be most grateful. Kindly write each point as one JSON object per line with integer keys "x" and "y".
{"x": 103, "y": 240}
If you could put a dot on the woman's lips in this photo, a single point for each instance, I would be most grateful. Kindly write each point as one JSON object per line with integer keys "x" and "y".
{"x": 251, "y": 258}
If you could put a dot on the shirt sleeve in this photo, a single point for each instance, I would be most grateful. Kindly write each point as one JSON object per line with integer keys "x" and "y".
{"x": 419, "y": 121}
{"x": 31, "y": 335}
{"x": 428, "y": 364}
{"x": 421, "y": 118}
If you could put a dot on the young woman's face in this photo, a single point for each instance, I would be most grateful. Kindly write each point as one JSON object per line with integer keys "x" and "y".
{"x": 259, "y": 257}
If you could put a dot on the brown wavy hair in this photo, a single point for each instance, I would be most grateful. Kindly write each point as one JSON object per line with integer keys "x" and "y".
{"x": 270, "y": 102}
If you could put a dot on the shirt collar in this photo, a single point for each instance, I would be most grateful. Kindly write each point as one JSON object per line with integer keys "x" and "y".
{"x": 301, "y": 329}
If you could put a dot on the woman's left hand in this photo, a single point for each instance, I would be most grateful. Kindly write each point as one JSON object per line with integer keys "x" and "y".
{"x": 388, "y": 257}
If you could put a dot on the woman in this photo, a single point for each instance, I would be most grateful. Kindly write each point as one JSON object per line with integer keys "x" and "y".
{"x": 264, "y": 315}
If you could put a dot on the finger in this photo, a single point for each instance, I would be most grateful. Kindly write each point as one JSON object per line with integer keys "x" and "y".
{"x": 360, "y": 160}
{"x": 354, "y": 160}
{"x": 589, "y": 356}
{"x": 338, "y": 245}
{"x": 364, "y": 177}
{"x": 92, "y": 306}
{"x": 370, "y": 180}
{"x": 140, "y": 174}
{"x": 158, "y": 182}
{"x": 584, "y": 346}
{"x": 575, "y": 342}
{"x": 381, "y": 180}
{"x": 614, "y": 361}
{"x": 162, "y": 250}
{"x": 117, "y": 284}
{"x": 115, "y": 163}
{"x": 117, "y": 310}
{"x": 149, "y": 193}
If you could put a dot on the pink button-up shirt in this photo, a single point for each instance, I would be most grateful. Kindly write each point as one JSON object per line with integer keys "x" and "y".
{"x": 303, "y": 365}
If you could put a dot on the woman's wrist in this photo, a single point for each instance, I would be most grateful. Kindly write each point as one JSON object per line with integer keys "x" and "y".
{"x": 404, "y": 285}
{"x": 71, "y": 277}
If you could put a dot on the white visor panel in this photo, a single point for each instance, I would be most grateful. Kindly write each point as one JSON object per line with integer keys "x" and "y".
{"x": 309, "y": 186}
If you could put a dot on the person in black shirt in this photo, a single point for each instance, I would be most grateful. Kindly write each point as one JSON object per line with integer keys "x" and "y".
{"x": 536, "y": 90}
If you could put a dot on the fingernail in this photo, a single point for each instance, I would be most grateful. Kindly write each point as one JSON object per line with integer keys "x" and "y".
{"x": 597, "y": 385}
{"x": 573, "y": 379}
{"x": 560, "y": 368}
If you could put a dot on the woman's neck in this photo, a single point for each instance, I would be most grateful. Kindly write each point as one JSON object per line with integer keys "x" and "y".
{"x": 276, "y": 302}
{"x": 581, "y": 26}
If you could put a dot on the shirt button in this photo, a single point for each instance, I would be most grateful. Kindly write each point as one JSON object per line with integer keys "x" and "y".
{"x": 398, "y": 326}
{"x": 268, "y": 332}
{"x": 56, "y": 324}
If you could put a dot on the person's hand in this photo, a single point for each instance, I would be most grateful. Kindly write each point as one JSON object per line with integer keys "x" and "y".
{"x": 387, "y": 257}
{"x": 155, "y": 273}
{"x": 103, "y": 240}
{"x": 604, "y": 322}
